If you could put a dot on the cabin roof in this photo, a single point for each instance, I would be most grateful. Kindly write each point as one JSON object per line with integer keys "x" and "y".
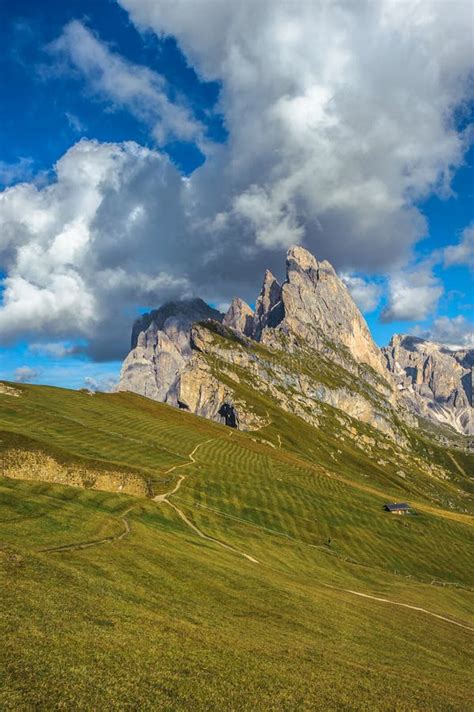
{"x": 396, "y": 506}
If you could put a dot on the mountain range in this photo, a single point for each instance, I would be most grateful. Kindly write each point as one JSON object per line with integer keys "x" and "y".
{"x": 305, "y": 344}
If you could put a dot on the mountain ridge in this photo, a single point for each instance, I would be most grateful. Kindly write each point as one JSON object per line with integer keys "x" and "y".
{"x": 310, "y": 317}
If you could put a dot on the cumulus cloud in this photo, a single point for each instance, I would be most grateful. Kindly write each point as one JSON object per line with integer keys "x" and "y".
{"x": 81, "y": 251}
{"x": 463, "y": 252}
{"x": 332, "y": 137}
{"x": 137, "y": 88}
{"x": 412, "y": 295}
{"x": 456, "y": 332}
{"x": 25, "y": 374}
{"x": 365, "y": 293}
{"x": 332, "y": 143}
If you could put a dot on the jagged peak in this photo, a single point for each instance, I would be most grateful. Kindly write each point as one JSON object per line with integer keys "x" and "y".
{"x": 301, "y": 259}
{"x": 193, "y": 309}
{"x": 269, "y": 280}
{"x": 410, "y": 342}
{"x": 270, "y": 296}
{"x": 239, "y": 316}
{"x": 241, "y": 304}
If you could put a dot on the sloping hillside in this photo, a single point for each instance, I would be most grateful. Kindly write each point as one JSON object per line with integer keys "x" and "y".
{"x": 252, "y": 571}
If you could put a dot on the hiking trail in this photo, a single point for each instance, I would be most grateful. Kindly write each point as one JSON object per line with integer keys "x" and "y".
{"x": 160, "y": 498}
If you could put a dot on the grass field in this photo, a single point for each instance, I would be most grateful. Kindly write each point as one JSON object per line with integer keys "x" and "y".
{"x": 149, "y": 615}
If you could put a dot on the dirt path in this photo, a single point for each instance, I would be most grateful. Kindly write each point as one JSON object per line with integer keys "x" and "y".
{"x": 210, "y": 538}
{"x": 95, "y": 542}
{"x": 337, "y": 588}
{"x": 165, "y": 498}
{"x": 397, "y": 603}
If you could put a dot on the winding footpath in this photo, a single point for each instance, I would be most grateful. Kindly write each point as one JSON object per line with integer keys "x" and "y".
{"x": 160, "y": 498}
{"x": 396, "y": 603}
{"x": 95, "y": 542}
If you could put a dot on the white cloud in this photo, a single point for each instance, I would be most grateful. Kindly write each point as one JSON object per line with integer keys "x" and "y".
{"x": 20, "y": 170}
{"x": 332, "y": 142}
{"x": 366, "y": 294}
{"x": 104, "y": 384}
{"x": 456, "y": 332}
{"x": 55, "y": 349}
{"x": 128, "y": 85}
{"x": 412, "y": 295}
{"x": 463, "y": 252}
{"x": 270, "y": 218}
{"x": 83, "y": 250}
{"x": 25, "y": 374}
{"x": 332, "y": 137}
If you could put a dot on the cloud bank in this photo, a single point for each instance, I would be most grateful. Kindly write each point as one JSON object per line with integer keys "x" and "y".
{"x": 340, "y": 116}
{"x": 80, "y": 251}
{"x": 456, "y": 333}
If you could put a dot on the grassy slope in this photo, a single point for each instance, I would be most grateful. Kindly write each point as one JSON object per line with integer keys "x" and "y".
{"x": 162, "y": 619}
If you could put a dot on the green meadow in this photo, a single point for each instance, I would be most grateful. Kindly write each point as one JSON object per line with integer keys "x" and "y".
{"x": 271, "y": 579}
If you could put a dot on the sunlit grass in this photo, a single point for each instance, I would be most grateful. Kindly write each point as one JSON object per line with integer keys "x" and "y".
{"x": 164, "y": 620}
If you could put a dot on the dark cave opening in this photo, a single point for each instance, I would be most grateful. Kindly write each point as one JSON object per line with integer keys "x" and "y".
{"x": 227, "y": 412}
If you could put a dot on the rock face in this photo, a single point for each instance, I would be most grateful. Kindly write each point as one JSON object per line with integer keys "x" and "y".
{"x": 268, "y": 307}
{"x": 187, "y": 310}
{"x": 314, "y": 348}
{"x": 434, "y": 380}
{"x": 240, "y": 317}
{"x": 317, "y": 308}
{"x": 161, "y": 347}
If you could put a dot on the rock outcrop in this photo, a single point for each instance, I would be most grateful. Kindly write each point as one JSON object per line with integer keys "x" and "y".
{"x": 318, "y": 310}
{"x": 435, "y": 381}
{"x": 187, "y": 310}
{"x": 22, "y": 464}
{"x": 268, "y": 307}
{"x": 161, "y": 347}
{"x": 315, "y": 347}
{"x": 6, "y": 390}
{"x": 240, "y": 317}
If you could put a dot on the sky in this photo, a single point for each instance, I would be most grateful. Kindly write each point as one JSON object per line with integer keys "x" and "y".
{"x": 157, "y": 149}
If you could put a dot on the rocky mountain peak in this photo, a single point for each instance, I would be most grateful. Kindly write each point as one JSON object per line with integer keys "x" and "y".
{"x": 240, "y": 317}
{"x": 298, "y": 259}
{"x": 269, "y": 297}
{"x": 187, "y": 310}
{"x": 436, "y": 381}
{"x": 312, "y": 317}
{"x": 161, "y": 346}
{"x": 318, "y": 309}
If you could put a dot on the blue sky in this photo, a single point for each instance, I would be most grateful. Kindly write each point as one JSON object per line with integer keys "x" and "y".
{"x": 190, "y": 157}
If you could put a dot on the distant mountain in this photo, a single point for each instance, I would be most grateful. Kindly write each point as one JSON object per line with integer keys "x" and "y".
{"x": 161, "y": 347}
{"x": 305, "y": 344}
{"x": 435, "y": 380}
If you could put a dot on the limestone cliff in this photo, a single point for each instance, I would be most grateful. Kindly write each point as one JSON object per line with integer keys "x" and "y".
{"x": 305, "y": 344}
{"x": 161, "y": 347}
{"x": 435, "y": 381}
{"x": 317, "y": 310}
{"x": 240, "y": 317}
